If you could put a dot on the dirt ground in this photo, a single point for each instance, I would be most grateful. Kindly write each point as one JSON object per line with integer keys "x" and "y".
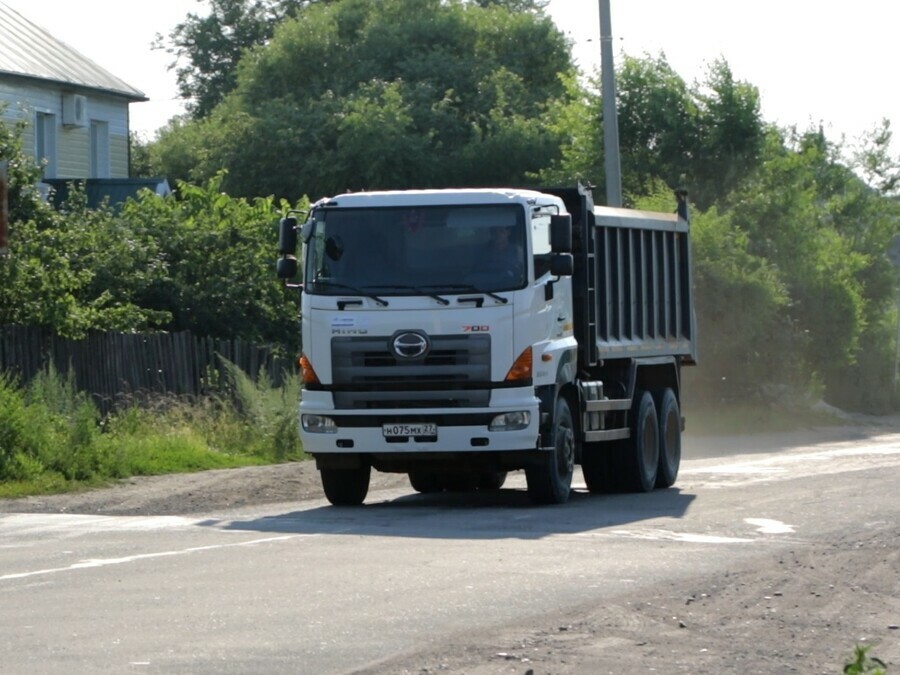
{"x": 780, "y": 614}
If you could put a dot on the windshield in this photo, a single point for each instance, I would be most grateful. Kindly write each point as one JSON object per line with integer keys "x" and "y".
{"x": 421, "y": 251}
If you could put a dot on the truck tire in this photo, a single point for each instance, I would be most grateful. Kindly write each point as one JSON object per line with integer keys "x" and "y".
{"x": 597, "y": 468}
{"x": 346, "y": 487}
{"x": 491, "y": 480}
{"x": 638, "y": 457}
{"x": 460, "y": 481}
{"x": 426, "y": 482}
{"x": 550, "y": 480}
{"x": 669, "y": 438}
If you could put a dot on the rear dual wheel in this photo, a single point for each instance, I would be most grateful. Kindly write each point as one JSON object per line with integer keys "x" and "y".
{"x": 669, "y": 438}
{"x": 637, "y": 460}
{"x": 652, "y": 456}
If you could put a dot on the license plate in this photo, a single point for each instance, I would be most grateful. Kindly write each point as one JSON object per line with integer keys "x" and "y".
{"x": 423, "y": 429}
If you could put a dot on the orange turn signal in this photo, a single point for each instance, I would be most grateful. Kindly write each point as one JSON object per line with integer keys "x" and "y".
{"x": 522, "y": 368}
{"x": 306, "y": 371}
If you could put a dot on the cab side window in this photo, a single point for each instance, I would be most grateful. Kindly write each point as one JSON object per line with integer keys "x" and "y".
{"x": 540, "y": 238}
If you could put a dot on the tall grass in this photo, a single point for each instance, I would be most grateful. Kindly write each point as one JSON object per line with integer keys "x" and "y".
{"x": 53, "y": 438}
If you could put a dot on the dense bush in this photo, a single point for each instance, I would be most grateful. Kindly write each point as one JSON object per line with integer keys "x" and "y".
{"x": 51, "y": 435}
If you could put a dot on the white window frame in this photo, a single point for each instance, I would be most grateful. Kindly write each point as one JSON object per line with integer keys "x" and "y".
{"x": 45, "y": 141}
{"x": 99, "y": 149}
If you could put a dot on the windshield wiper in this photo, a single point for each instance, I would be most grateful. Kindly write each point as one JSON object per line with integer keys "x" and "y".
{"x": 417, "y": 289}
{"x": 474, "y": 289}
{"x": 354, "y": 289}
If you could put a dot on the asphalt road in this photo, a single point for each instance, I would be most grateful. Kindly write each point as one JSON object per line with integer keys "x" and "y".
{"x": 303, "y": 587}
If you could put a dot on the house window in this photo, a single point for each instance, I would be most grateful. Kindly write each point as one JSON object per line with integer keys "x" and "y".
{"x": 45, "y": 142}
{"x": 99, "y": 149}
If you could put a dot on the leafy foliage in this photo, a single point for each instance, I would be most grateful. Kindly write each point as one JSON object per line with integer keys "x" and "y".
{"x": 214, "y": 264}
{"x": 207, "y": 49}
{"x": 399, "y": 93}
{"x": 201, "y": 262}
{"x": 707, "y": 137}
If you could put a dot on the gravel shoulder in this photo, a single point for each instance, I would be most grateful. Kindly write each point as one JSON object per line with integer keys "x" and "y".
{"x": 191, "y": 493}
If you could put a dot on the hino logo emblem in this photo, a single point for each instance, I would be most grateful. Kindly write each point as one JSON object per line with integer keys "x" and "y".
{"x": 410, "y": 345}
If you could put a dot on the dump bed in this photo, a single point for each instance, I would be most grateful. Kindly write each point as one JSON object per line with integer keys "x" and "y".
{"x": 632, "y": 282}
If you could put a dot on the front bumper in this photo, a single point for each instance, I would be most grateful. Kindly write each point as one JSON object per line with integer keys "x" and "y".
{"x": 458, "y": 430}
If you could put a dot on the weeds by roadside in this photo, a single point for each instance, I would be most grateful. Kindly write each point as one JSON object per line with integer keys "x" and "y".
{"x": 53, "y": 438}
{"x": 861, "y": 663}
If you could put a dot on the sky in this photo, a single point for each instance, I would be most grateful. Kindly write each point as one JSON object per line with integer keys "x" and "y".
{"x": 814, "y": 62}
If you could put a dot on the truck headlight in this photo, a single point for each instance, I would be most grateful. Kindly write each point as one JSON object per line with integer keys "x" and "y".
{"x": 318, "y": 424}
{"x": 511, "y": 421}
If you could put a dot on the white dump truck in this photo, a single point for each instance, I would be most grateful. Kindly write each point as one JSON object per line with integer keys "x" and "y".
{"x": 457, "y": 335}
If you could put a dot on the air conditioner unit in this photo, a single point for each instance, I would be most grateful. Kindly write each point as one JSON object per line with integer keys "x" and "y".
{"x": 74, "y": 110}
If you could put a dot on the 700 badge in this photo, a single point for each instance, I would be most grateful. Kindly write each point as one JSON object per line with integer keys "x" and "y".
{"x": 476, "y": 329}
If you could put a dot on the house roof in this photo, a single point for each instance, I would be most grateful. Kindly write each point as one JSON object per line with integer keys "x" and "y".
{"x": 30, "y": 51}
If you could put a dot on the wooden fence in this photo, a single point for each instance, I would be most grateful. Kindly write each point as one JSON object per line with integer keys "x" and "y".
{"x": 111, "y": 366}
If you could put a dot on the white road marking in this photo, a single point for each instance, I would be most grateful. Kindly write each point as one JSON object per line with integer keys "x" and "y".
{"x": 768, "y": 526}
{"x": 686, "y": 537}
{"x": 70, "y": 524}
{"x": 103, "y": 562}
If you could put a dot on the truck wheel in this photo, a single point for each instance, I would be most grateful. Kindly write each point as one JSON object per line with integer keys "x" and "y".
{"x": 426, "y": 482}
{"x": 346, "y": 487}
{"x": 596, "y": 466}
{"x": 491, "y": 480}
{"x": 550, "y": 481}
{"x": 639, "y": 457}
{"x": 669, "y": 438}
{"x": 460, "y": 481}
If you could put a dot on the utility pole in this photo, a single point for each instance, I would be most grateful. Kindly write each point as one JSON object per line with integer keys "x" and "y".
{"x": 4, "y": 205}
{"x": 611, "y": 161}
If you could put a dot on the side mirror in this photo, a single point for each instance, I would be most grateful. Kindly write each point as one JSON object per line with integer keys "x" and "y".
{"x": 562, "y": 265}
{"x": 561, "y": 233}
{"x": 287, "y": 236}
{"x": 286, "y": 267}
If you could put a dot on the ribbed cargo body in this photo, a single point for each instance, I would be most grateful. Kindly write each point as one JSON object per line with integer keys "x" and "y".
{"x": 632, "y": 282}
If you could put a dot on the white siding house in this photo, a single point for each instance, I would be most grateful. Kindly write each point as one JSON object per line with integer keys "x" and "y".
{"x": 75, "y": 112}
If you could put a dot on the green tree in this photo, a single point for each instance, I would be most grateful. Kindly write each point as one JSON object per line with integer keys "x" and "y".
{"x": 207, "y": 49}
{"x": 23, "y": 175}
{"x": 874, "y": 162}
{"x": 201, "y": 262}
{"x": 51, "y": 276}
{"x": 216, "y": 264}
{"x": 658, "y": 125}
{"x": 707, "y": 138}
{"x": 399, "y": 93}
{"x": 729, "y": 137}
{"x": 784, "y": 207}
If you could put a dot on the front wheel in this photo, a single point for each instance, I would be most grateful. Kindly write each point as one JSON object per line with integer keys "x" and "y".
{"x": 550, "y": 480}
{"x": 346, "y": 487}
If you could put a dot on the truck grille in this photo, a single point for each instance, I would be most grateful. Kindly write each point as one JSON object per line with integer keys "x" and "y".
{"x": 455, "y": 373}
